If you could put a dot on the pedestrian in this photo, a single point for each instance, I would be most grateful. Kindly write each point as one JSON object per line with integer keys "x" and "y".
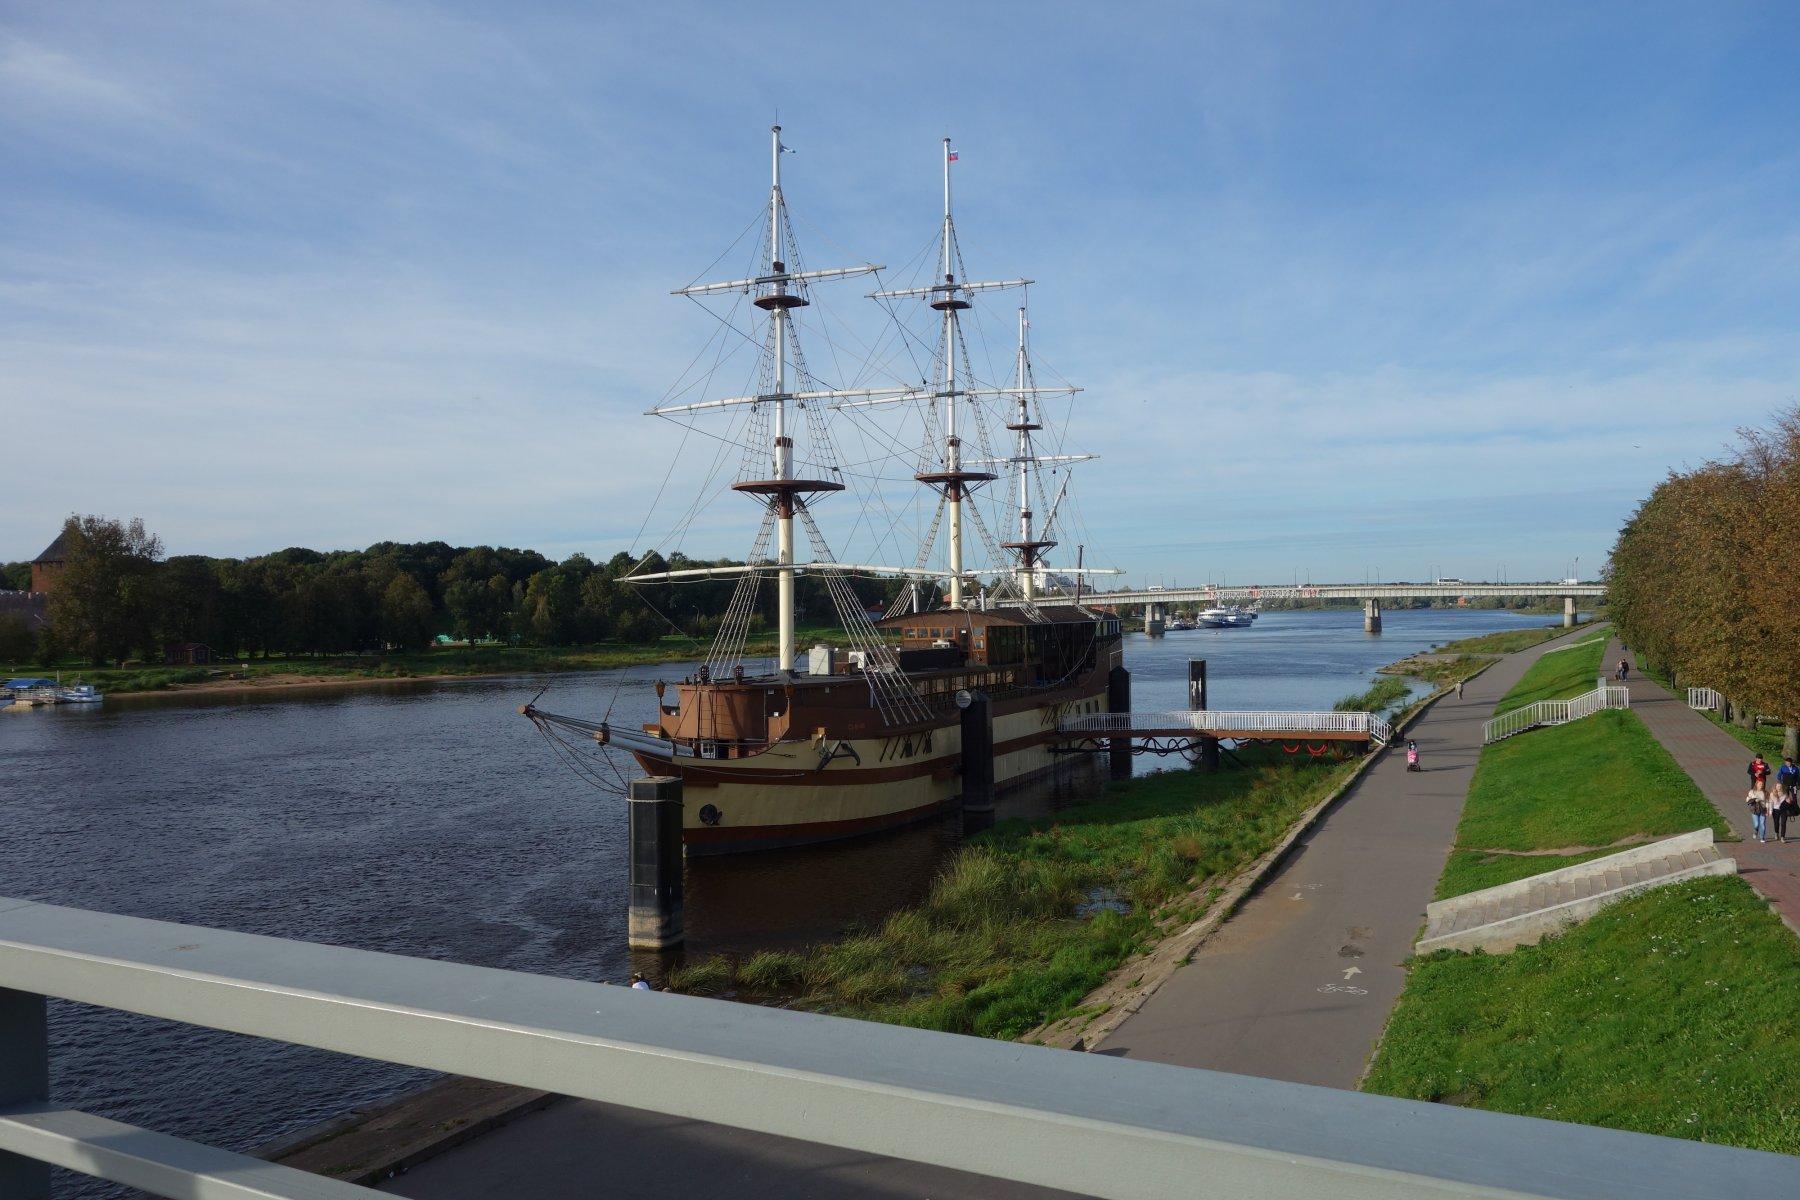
{"x": 1787, "y": 782}
{"x": 1624, "y": 669}
{"x": 1459, "y": 684}
{"x": 1781, "y": 806}
{"x": 1758, "y": 770}
{"x": 639, "y": 983}
{"x": 1412, "y": 756}
{"x": 1758, "y": 802}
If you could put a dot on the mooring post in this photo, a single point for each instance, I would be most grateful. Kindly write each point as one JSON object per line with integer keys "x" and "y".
{"x": 977, "y": 763}
{"x": 654, "y": 921}
{"x": 24, "y": 1079}
{"x": 1118, "y": 700}
{"x": 1209, "y": 746}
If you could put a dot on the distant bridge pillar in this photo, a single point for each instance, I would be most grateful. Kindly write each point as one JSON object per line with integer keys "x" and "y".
{"x": 1153, "y": 620}
{"x": 1568, "y": 612}
{"x": 1371, "y": 616}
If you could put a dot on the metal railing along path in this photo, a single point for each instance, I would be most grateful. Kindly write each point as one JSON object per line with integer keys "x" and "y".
{"x": 1221, "y": 723}
{"x": 1555, "y": 712}
{"x": 1091, "y": 1124}
{"x": 1705, "y": 698}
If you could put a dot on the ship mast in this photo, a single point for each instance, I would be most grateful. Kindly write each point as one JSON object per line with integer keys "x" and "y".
{"x": 779, "y": 301}
{"x": 778, "y": 290}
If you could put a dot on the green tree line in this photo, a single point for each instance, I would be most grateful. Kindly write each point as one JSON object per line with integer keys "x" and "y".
{"x": 119, "y": 597}
{"x": 1698, "y": 582}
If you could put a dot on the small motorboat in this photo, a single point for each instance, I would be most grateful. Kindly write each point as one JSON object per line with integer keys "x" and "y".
{"x": 80, "y": 693}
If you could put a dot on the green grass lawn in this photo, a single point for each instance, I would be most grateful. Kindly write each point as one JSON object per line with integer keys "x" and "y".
{"x": 1587, "y": 783}
{"x": 1558, "y": 675}
{"x": 999, "y": 946}
{"x": 1671, "y": 1013}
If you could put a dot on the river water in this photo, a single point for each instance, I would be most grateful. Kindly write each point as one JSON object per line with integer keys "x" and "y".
{"x": 427, "y": 818}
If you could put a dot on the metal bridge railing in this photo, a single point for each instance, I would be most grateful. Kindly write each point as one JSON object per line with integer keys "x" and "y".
{"x": 1705, "y": 698}
{"x": 1216, "y": 722}
{"x": 1555, "y": 712}
{"x": 1092, "y": 1124}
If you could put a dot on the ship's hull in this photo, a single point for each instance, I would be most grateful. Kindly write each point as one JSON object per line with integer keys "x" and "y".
{"x": 784, "y": 797}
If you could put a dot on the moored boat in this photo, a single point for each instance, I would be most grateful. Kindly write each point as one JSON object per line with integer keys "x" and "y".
{"x": 867, "y": 735}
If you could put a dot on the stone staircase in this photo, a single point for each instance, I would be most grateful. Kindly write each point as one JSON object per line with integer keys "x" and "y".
{"x": 1497, "y": 919}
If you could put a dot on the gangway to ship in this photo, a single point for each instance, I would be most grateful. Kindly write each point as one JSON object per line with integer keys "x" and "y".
{"x": 1168, "y": 732}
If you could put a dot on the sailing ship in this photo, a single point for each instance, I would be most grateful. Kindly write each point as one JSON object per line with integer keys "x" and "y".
{"x": 866, "y": 735}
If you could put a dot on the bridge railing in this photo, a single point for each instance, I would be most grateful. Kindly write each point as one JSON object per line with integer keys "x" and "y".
{"x": 1214, "y": 721}
{"x": 1092, "y": 1124}
{"x": 1555, "y": 712}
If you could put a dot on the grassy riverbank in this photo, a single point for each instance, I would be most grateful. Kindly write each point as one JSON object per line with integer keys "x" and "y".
{"x": 1670, "y": 1013}
{"x": 1559, "y": 674}
{"x": 1462, "y": 659}
{"x": 1667, "y": 1013}
{"x": 438, "y": 661}
{"x": 1030, "y": 917}
{"x": 1555, "y": 796}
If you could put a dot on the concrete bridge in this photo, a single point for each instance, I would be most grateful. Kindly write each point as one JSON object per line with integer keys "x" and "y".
{"x": 1157, "y": 601}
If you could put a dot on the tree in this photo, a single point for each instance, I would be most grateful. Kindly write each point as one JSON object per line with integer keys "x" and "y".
{"x": 407, "y": 617}
{"x": 15, "y": 576}
{"x": 17, "y": 642}
{"x": 104, "y": 600}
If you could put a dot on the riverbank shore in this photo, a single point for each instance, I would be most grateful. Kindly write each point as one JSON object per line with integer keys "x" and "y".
{"x": 273, "y": 676}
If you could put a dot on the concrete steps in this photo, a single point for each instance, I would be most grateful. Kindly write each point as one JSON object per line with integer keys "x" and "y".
{"x": 1497, "y": 919}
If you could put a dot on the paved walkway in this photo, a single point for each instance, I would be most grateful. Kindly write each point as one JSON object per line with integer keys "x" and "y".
{"x": 1299, "y": 983}
{"x": 1716, "y": 761}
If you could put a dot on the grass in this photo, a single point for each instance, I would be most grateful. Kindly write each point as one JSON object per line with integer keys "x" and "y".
{"x": 1557, "y": 676}
{"x": 1507, "y": 641}
{"x": 1588, "y": 783}
{"x": 1380, "y": 696}
{"x": 1671, "y": 1013}
{"x": 437, "y": 660}
{"x": 1011, "y": 935}
{"x": 1667, "y": 1013}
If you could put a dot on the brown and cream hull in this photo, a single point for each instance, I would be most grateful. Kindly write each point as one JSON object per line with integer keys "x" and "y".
{"x": 823, "y": 788}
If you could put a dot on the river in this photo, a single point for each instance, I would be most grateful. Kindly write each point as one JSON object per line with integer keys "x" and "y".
{"x": 427, "y": 818}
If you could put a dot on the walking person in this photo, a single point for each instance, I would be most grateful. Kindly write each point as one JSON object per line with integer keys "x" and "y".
{"x": 1757, "y": 799}
{"x": 1758, "y": 771}
{"x": 1459, "y": 684}
{"x": 1412, "y": 756}
{"x": 1787, "y": 785}
{"x": 1624, "y": 669}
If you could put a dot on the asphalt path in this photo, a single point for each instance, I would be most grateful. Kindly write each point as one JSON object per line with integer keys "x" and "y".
{"x": 1299, "y": 983}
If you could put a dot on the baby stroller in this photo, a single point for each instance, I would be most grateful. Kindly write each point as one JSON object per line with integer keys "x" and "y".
{"x": 1412, "y": 756}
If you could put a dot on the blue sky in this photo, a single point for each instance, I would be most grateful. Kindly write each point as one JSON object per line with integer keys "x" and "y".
{"x": 1350, "y": 287}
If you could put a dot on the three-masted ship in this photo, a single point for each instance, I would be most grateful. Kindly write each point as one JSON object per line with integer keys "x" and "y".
{"x": 865, "y": 734}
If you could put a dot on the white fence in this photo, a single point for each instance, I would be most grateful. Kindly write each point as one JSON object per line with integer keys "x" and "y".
{"x": 1211, "y": 721}
{"x": 1705, "y": 698}
{"x": 1555, "y": 712}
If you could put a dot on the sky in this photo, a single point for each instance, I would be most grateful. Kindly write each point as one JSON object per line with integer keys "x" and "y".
{"x": 1383, "y": 290}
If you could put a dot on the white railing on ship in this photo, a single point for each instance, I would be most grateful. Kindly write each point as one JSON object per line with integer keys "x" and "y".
{"x": 1218, "y": 722}
{"x": 1705, "y": 698}
{"x": 1555, "y": 712}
